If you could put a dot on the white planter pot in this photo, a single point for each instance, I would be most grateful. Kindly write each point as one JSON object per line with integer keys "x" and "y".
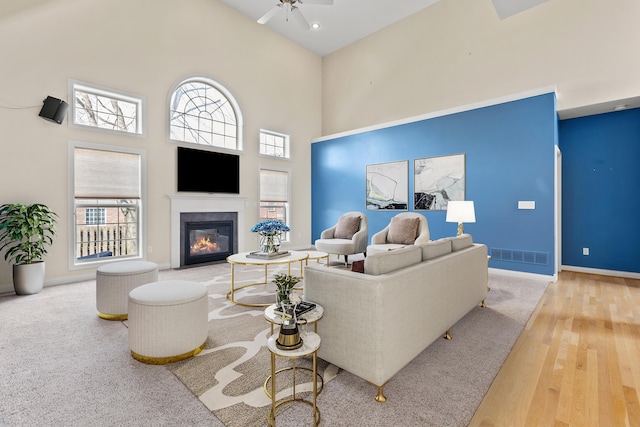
{"x": 28, "y": 278}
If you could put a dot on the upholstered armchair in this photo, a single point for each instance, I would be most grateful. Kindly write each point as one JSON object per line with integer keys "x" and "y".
{"x": 348, "y": 237}
{"x": 407, "y": 228}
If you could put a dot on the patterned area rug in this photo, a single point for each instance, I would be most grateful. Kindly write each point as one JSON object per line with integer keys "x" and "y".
{"x": 229, "y": 375}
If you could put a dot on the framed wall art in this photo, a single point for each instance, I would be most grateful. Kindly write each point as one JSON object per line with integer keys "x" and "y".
{"x": 437, "y": 180}
{"x": 388, "y": 186}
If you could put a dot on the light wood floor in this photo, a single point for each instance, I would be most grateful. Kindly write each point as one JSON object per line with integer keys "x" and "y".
{"x": 577, "y": 362}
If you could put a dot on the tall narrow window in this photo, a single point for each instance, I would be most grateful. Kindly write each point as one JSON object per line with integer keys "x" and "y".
{"x": 274, "y": 144}
{"x": 107, "y": 185}
{"x": 105, "y": 109}
{"x": 202, "y": 111}
{"x": 274, "y": 195}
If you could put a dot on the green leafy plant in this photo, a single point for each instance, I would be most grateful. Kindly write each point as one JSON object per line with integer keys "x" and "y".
{"x": 285, "y": 284}
{"x": 26, "y": 231}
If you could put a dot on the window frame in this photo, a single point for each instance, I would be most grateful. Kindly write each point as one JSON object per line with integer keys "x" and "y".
{"x": 286, "y": 144}
{"x": 287, "y": 206}
{"x": 73, "y": 262}
{"x": 232, "y": 102}
{"x": 138, "y": 100}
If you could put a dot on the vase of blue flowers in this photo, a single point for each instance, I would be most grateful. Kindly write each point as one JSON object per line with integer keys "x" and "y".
{"x": 270, "y": 232}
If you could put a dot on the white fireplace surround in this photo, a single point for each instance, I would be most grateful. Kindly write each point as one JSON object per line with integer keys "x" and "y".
{"x": 182, "y": 203}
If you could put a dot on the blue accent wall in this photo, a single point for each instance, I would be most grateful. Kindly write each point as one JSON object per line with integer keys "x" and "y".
{"x": 600, "y": 191}
{"x": 510, "y": 155}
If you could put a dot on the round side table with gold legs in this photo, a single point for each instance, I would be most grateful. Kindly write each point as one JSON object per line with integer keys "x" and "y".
{"x": 310, "y": 317}
{"x": 310, "y": 346}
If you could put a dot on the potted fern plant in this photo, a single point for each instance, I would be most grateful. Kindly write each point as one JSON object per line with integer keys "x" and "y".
{"x": 25, "y": 233}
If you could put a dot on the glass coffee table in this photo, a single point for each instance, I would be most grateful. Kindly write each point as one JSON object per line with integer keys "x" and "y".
{"x": 243, "y": 259}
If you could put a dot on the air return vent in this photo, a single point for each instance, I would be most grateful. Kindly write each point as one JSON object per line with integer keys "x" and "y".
{"x": 514, "y": 255}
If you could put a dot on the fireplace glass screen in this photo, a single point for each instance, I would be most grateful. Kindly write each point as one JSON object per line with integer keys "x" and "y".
{"x": 208, "y": 241}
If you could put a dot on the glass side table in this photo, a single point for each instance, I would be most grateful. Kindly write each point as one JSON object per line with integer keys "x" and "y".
{"x": 310, "y": 346}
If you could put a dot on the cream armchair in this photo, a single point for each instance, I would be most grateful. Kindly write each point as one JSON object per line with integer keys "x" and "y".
{"x": 407, "y": 228}
{"x": 348, "y": 237}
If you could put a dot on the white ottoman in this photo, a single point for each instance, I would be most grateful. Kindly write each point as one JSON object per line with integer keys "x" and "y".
{"x": 114, "y": 281}
{"x": 168, "y": 321}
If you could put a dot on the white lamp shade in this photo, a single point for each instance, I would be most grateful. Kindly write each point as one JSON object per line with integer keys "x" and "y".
{"x": 461, "y": 211}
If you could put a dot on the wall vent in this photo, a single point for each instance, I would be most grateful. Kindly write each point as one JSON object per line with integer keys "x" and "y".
{"x": 515, "y": 255}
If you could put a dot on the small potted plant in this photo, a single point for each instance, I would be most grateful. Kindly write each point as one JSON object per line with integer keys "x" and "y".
{"x": 284, "y": 284}
{"x": 25, "y": 233}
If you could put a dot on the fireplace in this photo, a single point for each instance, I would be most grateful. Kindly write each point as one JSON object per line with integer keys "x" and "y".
{"x": 207, "y": 241}
{"x": 207, "y": 237}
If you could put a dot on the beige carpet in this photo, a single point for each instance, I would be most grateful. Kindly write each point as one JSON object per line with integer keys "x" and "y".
{"x": 229, "y": 374}
{"x": 441, "y": 387}
{"x": 62, "y": 365}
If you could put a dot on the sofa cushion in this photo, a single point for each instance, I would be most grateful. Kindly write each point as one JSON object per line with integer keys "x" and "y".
{"x": 403, "y": 231}
{"x": 347, "y": 227}
{"x": 386, "y": 262}
{"x": 461, "y": 242}
{"x": 435, "y": 248}
{"x": 372, "y": 249}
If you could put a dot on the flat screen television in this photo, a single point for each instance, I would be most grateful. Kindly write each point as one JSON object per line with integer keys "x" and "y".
{"x": 208, "y": 171}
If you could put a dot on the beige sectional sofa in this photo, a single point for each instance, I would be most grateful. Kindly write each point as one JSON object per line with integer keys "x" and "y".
{"x": 375, "y": 323}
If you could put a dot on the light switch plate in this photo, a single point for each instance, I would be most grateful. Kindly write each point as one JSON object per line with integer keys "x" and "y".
{"x": 526, "y": 204}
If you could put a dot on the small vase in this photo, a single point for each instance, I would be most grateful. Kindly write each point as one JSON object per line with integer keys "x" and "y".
{"x": 270, "y": 244}
{"x": 282, "y": 298}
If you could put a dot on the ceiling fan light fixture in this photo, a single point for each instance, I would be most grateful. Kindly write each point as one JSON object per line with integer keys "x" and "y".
{"x": 275, "y": 9}
{"x": 290, "y": 6}
{"x": 300, "y": 18}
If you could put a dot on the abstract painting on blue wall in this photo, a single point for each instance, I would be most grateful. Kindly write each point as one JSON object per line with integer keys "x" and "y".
{"x": 388, "y": 186}
{"x": 437, "y": 180}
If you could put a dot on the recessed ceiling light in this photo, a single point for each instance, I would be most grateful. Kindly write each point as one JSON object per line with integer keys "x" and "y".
{"x": 315, "y": 26}
{"x": 619, "y": 107}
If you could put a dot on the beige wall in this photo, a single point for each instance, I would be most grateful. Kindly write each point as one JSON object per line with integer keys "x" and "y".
{"x": 144, "y": 47}
{"x": 459, "y": 52}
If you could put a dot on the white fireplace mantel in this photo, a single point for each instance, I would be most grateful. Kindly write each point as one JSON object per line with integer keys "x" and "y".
{"x": 182, "y": 203}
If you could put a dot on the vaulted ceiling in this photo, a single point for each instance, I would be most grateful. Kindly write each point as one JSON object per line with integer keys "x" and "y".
{"x": 346, "y": 21}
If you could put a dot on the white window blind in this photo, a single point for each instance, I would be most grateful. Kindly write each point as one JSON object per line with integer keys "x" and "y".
{"x": 273, "y": 186}
{"x": 101, "y": 174}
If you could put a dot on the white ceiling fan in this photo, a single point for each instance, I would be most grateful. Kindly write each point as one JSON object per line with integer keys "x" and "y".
{"x": 291, "y": 6}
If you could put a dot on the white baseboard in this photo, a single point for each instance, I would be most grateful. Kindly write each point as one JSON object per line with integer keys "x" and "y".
{"x": 8, "y": 288}
{"x": 627, "y": 274}
{"x": 523, "y": 275}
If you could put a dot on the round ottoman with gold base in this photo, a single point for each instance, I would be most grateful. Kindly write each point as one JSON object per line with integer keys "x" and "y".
{"x": 168, "y": 321}
{"x": 115, "y": 280}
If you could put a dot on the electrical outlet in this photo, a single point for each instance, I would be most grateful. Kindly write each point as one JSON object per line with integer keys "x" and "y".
{"x": 585, "y": 251}
{"x": 150, "y": 249}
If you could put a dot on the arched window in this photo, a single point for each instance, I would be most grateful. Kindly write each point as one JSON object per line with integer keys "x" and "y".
{"x": 202, "y": 111}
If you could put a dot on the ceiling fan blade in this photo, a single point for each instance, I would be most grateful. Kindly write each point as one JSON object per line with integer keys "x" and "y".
{"x": 265, "y": 18}
{"x": 300, "y": 18}
{"x": 325, "y": 2}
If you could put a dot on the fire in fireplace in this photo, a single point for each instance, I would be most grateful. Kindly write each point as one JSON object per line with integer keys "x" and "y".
{"x": 207, "y": 241}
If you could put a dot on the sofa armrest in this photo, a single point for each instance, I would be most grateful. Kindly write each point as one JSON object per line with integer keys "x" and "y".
{"x": 380, "y": 238}
{"x": 422, "y": 239}
{"x": 360, "y": 240}
{"x": 328, "y": 233}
